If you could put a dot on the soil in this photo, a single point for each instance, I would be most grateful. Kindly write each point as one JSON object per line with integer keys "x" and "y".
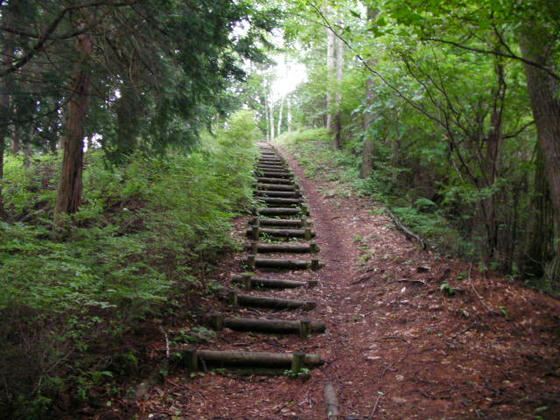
{"x": 410, "y": 334}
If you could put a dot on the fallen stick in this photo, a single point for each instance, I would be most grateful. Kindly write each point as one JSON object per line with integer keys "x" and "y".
{"x": 407, "y": 232}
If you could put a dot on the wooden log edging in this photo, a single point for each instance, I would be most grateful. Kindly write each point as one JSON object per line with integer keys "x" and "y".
{"x": 285, "y": 264}
{"x": 275, "y": 175}
{"x": 277, "y": 187}
{"x": 291, "y": 223}
{"x": 292, "y": 248}
{"x": 194, "y": 359}
{"x": 284, "y": 233}
{"x": 279, "y": 211}
{"x": 238, "y": 299}
{"x": 249, "y": 281}
{"x": 277, "y": 194}
{"x": 269, "y": 180}
{"x": 331, "y": 402}
{"x": 273, "y": 167}
{"x": 278, "y": 201}
{"x": 303, "y": 327}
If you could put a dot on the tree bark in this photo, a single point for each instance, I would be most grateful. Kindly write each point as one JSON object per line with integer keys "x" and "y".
{"x": 280, "y": 117}
{"x": 15, "y": 146}
{"x": 330, "y": 76}
{"x": 492, "y": 160}
{"x": 289, "y": 112}
{"x": 369, "y": 147}
{"x": 545, "y": 103}
{"x": 70, "y": 187}
{"x": 271, "y": 119}
{"x": 4, "y": 119}
{"x": 337, "y": 125}
{"x": 541, "y": 231}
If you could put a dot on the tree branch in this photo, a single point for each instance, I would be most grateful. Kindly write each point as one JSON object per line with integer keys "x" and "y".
{"x": 497, "y": 53}
{"x": 51, "y": 28}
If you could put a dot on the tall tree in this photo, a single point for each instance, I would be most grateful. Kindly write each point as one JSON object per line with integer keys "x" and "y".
{"x": 180, "y": 55}
{"x": 331, "y": 71}
{"x": 538, "y": 42}
{"x": 369, "y": 146}
{"x": 337, "y": 122}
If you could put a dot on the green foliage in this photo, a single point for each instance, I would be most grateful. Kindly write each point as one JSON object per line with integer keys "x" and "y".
{"x": 135, "y": 243}
{"x": 303, "y": 373}
{"x": 447, "y": 289}
{"x": 422, "y": 215}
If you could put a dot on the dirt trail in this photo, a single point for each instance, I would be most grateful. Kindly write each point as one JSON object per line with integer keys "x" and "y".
{"x": 396, "y": 346}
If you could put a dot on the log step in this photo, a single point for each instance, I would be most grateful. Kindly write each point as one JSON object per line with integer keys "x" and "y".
{"x": 195, "y": 359}
{"x": 279, "y": 200}
{"x": 258, "y": 247}
{"x": 284, "y": 233}
{"x": 295, "y": 223}
{"x": 285, "y": 264}
{"x": 251, "y": 282}
{"x": 274, "y": 180}
{"x": 275, "y": 174}
{"x": 303, "y": 328}
{"x": 274, "y": 163}
{"x": 279, "y": 211}
{"x": 263, "y": 167}
{"x": 278, "y": 194}
{"x": 277, "y": 187}
{"x": 269, "y": 302}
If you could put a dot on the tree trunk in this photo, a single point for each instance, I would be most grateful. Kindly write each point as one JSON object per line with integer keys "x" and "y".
{"x": 271, "y": 122}
{"x": 337, "y": 126}
{"x": 27, "y": 148}
{"x": 267, "y": 121}
{"x": 492, "y": 160}
{"x": 545, "y": 103}
{"x": 541, "y": 230}
{"x": 3, "y": 214}
{"x": 70, "y": 187}
{"x": 15, "y": 146}
{"x": 369, "y": 148}
{"x": 289, "y": 116}
{"x": 7, "y": 53}
{"x": 330, "y": 75}
{"x": 280, "y": 116}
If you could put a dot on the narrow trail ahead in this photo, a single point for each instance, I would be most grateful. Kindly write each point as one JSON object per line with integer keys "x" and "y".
{"x": 397, "y": 344}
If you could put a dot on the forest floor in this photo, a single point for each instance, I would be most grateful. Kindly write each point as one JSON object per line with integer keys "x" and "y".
{"x": 410, "y": 334}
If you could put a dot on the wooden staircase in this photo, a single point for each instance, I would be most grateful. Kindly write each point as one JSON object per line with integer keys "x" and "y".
{"x": 280, "y": 228}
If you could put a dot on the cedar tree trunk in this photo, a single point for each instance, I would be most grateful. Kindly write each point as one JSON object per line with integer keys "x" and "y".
{"x": 70, "y": 187}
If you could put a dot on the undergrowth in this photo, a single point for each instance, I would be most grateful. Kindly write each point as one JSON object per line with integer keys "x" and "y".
{"x": 313, "y": 149}
{"x": 143, "y": 233}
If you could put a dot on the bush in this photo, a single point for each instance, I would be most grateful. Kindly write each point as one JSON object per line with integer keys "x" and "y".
{"x": 141, "y": 229}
